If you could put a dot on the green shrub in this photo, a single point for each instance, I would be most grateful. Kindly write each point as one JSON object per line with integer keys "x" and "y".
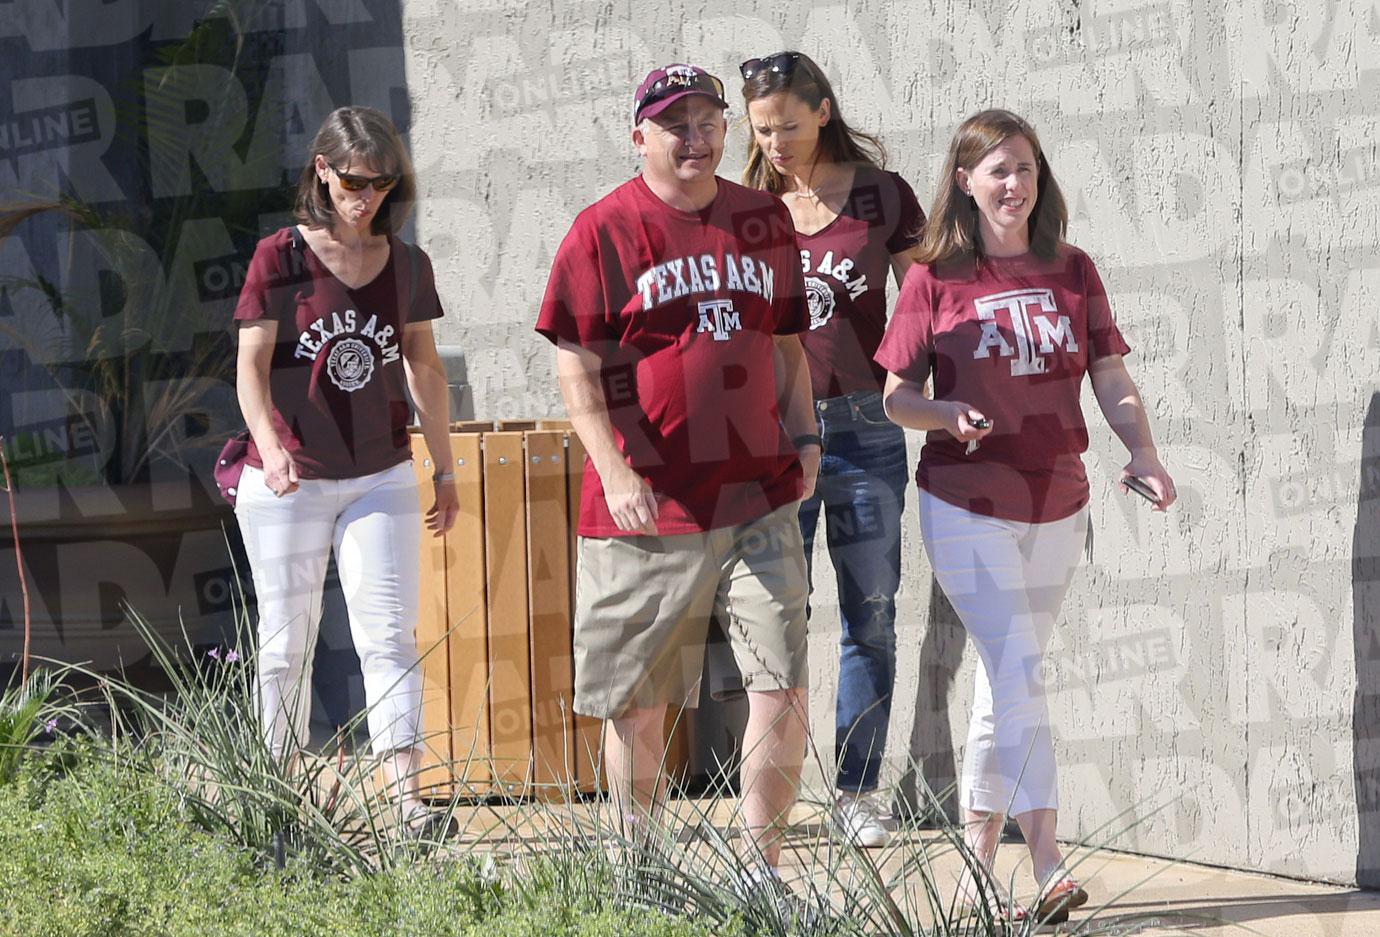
{"x": 25, "y": 711}
{"x": 166, "y": 826}
{"x": 106, "y": 850}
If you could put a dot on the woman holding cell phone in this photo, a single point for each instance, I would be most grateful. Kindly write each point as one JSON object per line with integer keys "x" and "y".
{"x": 856, "y": 225}
{"x": 1007, "y": 318}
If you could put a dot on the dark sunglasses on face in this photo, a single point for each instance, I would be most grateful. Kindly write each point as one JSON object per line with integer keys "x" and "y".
{"x": 352, "y": 183}
{"x": 782, "y": 63}
{"x": 675, "y": 84}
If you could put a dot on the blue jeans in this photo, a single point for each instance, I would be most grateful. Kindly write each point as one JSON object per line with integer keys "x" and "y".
{"x": 862, "y": 489}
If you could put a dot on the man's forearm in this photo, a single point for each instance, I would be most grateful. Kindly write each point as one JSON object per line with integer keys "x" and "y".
{"x": 793, "y": 398}
{"x": 585, "y": 405}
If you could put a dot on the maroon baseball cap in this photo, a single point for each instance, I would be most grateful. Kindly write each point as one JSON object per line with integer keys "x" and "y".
{"x": 666, "y": 85}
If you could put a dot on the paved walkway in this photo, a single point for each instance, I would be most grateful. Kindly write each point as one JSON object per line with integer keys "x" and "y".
{"x": 1191, "y": 899}
{"x": 1159, "y": 896}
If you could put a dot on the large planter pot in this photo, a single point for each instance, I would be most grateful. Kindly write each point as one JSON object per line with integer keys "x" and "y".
{"x": 92, "y": 553}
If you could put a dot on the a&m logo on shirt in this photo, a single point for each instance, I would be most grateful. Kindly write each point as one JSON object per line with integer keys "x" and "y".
{"x": 350, "y": 364}
{"x": 354, "y": 350}
{"x": 1035, "y": 322}
{"x": 821, "y": 301}
{"x": 718, "y": 318}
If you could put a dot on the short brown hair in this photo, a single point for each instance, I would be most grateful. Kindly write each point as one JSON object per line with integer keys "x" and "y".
{"x": 364, "y": 134}
{"x": 951, "y": 233}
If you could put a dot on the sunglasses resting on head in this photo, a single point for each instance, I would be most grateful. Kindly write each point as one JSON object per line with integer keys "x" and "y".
{"x": 782, "y": 63}
{"x": 678, "y": 83}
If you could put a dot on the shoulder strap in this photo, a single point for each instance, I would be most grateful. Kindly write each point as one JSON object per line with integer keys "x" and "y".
{"x": 293, "y": 262}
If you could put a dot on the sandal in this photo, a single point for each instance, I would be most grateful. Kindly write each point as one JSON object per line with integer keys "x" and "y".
{"x": 997, "y": 911}
{"x": 995, "y": 907}
{"x": 1063, "y": 895}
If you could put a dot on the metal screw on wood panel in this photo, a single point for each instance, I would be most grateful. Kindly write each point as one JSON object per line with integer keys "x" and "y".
{"x": 502, "y": 460}
{"x": 459, "y": 461}
{"x": 555, "y": 458}
{"x": 536, "y": 460}
{"x": 426, "y": 463}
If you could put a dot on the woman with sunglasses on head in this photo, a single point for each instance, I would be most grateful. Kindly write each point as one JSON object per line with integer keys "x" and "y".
{"x": 855, "y": 224}
{"x": 334, "y": 325}
{"x": 1006, "y": 318}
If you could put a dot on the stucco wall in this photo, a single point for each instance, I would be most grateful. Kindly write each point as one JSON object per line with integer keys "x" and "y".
{"x": 1221, "y": 167}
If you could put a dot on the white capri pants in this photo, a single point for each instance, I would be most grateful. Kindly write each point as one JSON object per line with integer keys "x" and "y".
{"x": 1007, "y": 581}
{"x": 374, "y": 525}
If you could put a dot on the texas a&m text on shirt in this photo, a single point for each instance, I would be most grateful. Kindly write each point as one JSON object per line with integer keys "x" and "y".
{"x": 682, "y": 308}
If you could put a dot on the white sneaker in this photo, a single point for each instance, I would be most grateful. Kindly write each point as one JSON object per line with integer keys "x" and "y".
{"x": 858, "y": 818}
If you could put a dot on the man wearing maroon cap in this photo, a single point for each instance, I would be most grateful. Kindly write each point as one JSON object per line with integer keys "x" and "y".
{"x": 675, "y": 303}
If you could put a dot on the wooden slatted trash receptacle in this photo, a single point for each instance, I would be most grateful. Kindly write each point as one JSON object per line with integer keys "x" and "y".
{"x": 498, "y": 597}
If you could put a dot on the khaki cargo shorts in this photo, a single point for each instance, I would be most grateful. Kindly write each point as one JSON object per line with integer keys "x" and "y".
{"x": 643, "y": 604}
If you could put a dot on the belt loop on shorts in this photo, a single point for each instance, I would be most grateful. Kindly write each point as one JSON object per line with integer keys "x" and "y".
{"x": 854, "y": 410}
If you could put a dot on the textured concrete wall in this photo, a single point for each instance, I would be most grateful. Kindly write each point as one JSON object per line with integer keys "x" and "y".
{"x": 1220, "y": 162}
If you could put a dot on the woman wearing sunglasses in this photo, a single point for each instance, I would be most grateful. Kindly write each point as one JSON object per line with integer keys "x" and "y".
{"x": 855, "y": 224}
{"x": 334, "y": 324}
{"x": 1006, "y": 318}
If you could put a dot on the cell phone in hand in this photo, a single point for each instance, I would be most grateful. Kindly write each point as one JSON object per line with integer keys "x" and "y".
{"x": 1139, "y": 486}
{"x": 980, "y": 423}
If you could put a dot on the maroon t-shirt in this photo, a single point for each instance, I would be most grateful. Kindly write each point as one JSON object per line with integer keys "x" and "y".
{"x": 1012, "y": 338}
{"x": 846, "y": 266}
{"x": 336, "y": 377}
{"x": 682, "y": 308}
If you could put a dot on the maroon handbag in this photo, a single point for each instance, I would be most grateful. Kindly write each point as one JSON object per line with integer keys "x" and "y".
{"x": 230, "y": 465}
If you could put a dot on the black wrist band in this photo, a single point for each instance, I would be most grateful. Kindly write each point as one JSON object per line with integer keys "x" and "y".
{"x": 807, "y": 439}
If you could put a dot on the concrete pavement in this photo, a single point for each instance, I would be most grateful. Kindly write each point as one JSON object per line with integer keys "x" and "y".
{"x": 1129, "y": 894}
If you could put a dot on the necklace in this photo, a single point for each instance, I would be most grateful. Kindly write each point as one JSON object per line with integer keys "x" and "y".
{"x": 816, "y": 194}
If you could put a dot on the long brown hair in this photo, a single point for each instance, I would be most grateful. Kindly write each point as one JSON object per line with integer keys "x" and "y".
{"x": 951, "y": 232}
{"x": 363, "y": 134}
{"x": 838, "y": 142}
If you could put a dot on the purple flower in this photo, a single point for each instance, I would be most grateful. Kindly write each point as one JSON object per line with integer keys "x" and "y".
{"x": 213, "y": 653}
{"x": 231, "y": 656}
{"x": 50, "y": 726}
